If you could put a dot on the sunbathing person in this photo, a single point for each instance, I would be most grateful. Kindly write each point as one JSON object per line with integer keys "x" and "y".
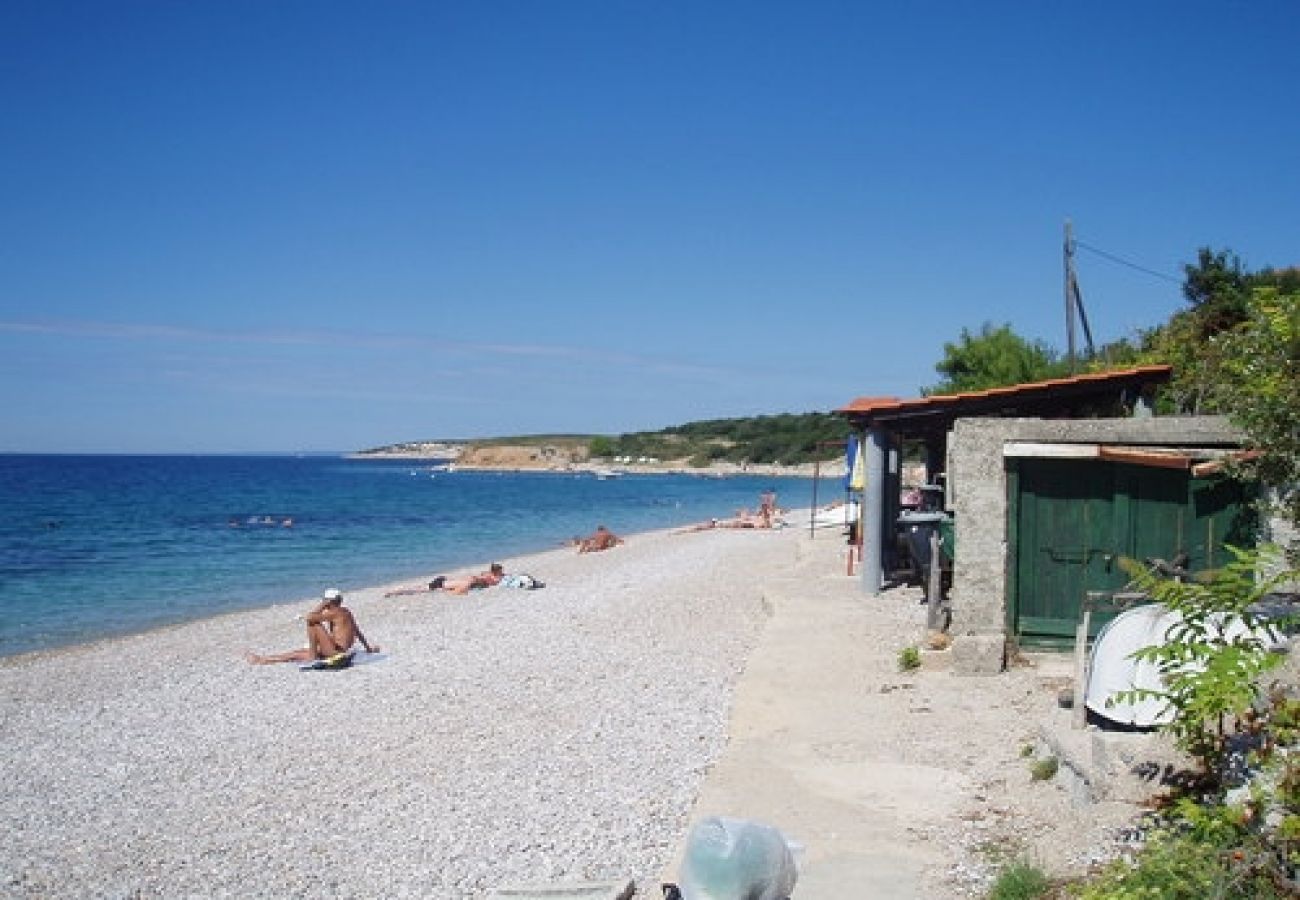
{"x": 601, "y": 539}
{"x": 331, "y": 630}
{"x": 462, "y": 585}
{"x": 742, "y": 519}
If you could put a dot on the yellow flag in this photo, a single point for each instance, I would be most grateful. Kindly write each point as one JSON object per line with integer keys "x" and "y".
{"x": 858, "y": 477}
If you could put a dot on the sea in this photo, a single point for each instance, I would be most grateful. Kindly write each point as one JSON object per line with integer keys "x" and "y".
{"x": 100, "y": 546}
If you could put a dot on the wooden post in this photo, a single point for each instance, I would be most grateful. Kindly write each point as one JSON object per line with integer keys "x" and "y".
{"x": 812, "y": 513}
{"x": 1079, "y": 712}
{"x": 934, "y": 588}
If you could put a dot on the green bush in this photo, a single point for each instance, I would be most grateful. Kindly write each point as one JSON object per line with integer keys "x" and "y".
{"x": 909, "y": 659}
{"x": 1212, "y": 660}
{"x": 1045, "y": 769}
{"x": 1243, "y": 845}
{"x": 1020, "y": 880}
{"x": 1175, "y": 866}
{"x": 601, "y": 447}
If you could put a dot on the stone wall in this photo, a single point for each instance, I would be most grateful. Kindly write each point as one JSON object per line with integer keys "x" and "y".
{"x": 977, "y": 477}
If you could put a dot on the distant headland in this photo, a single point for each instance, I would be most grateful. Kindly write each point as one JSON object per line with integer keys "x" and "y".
{"x": 780, "y": 444}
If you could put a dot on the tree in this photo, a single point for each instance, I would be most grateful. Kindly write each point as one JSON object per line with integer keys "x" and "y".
{"x": 1119, "y": 353}
{"x": 1254, "y": 376}
{"x": 1236, "y": 351}
{"x": 1217, "y": 289}
{"x": 1219, "y": 293}
{"x": 1182, "y": 343}
{"x": 994, "y": 358}
{"x": 601, "y": 446}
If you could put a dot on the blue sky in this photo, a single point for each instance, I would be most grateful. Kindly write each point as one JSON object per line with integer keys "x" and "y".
{"x": 249, "y": 225}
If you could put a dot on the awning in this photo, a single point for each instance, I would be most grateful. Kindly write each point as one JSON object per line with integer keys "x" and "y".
{"x": 1200, "y": 461}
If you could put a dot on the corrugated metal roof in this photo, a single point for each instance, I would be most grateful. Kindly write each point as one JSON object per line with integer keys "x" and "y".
{"x": 1032, "y": 394}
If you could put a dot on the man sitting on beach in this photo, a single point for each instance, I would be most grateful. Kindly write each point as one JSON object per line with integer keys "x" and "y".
{"x": 464, "y": 585}
{"x": 331, "y": 630}
{"x": 601, "y": 539}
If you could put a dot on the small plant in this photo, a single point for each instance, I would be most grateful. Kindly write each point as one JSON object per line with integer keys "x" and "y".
{"x": 1020, "y": 880}
{"x": 1212, "y": 661}
{"x": 1045, "y": 769}
{"x": 1185, "y": 866}
{"x": 1026, "y": 751}
{"x": 1242, "y": 844}
{"x": 909, "y": 659}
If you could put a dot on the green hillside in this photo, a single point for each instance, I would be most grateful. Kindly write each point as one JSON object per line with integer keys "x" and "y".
{"x": 787, "y": 438}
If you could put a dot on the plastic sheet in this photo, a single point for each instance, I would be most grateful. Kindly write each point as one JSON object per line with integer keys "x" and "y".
{"x": 737, "y": 859}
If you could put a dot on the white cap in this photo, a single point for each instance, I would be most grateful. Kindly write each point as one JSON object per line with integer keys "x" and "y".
{"x": 332, "y": 594}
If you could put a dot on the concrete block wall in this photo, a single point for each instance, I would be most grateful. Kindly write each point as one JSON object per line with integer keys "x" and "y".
{"x": 977, "y": 478}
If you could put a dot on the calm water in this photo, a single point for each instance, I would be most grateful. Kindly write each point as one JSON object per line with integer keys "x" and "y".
{"x": 95, "y": 545}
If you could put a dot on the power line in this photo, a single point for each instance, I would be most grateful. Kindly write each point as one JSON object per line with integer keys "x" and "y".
{"x": 1132, "y": 265}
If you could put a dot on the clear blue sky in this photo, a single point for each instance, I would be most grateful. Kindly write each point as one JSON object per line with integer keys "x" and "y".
{"x": 249, "y": 225}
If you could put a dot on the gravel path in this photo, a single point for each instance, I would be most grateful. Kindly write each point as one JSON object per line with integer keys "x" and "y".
{"x": 502, "y": 737}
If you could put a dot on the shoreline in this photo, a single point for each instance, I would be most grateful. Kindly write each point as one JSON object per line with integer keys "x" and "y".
{"x": 555, "y": 736}
{"x": 830, "y": 469}
{"x": 505, "y": 736}
{"x": 367, "y": 589}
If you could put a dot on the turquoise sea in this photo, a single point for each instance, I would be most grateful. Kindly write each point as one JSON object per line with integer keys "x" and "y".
{"x": 92, "y": 546}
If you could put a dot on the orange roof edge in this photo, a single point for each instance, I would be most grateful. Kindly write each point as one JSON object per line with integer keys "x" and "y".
{"x": 865, "y": 403}
{"x": 872, "y": 404}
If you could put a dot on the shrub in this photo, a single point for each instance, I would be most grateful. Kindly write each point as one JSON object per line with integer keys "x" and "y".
{"x": 1020, "y": 880}
{"x": 1214, "y": 843}
{"x": 909, "y": 659}
{"x": 1045, "y": 769}
{"x": 1175, "y": 866}
{"x": 601, "y": 446}
{"x": 1212, "y": 660}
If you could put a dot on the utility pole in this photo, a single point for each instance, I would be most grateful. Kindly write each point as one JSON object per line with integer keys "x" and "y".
{"x": 1069, "y": 295}
{"x": 1073, "y": 302}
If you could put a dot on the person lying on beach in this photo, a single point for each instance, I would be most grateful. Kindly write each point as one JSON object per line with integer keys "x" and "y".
{"x": 331, "y": 630}
{"x": 601, "y": 539}
{"x": 742, "y": 519}
{"x": 463, "y": 585}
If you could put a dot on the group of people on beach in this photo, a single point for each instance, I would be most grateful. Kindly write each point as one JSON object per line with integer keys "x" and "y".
{"x": 766, "y": 516}
{"x": 333, "y": 632}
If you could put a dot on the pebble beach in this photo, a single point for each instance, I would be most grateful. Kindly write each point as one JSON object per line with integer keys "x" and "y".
{"x": 507, "y": 736}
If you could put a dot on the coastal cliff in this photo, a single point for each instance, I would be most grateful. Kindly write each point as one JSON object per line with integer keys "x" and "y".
{"x": 544, "y": 456}
{"x": 569, "y": 455}
{"x": 782, "y": 444}
{"x": 509, "y": 454}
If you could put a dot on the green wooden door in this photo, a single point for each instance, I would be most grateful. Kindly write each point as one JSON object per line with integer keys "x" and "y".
{"x": 1072, "y": 520}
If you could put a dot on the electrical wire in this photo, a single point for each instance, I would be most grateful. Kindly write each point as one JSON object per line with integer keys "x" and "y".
{"x": 1124, "y": 262}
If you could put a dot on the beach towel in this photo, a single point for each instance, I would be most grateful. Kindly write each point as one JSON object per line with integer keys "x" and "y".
{"x": 329, "y": 663}
{"x": 522, "y": 580}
